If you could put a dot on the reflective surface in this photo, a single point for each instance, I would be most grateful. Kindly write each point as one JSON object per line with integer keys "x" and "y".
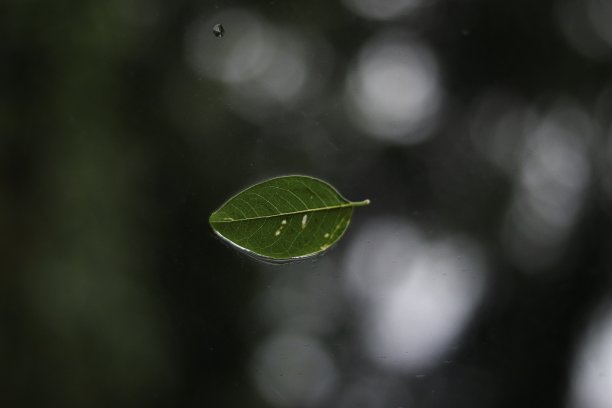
{"x": 478, "y": 277}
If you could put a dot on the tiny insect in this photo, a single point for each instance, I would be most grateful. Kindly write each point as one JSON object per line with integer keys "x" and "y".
{"x": 218, "y": 30}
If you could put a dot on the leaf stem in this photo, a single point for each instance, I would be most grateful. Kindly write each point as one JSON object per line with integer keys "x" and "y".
{"x": 360, "y": 203}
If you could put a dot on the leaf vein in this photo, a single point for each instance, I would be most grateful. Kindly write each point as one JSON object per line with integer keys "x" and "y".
{"x": 308, "y": 210}
{"x": 313, "y": 192}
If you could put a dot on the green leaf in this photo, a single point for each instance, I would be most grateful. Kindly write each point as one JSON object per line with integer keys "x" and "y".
{"x": 285, "y": 218}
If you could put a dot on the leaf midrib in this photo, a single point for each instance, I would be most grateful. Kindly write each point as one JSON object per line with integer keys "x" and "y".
{"x": 327, "y": 208}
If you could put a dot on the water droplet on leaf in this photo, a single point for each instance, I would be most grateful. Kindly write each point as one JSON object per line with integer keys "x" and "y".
{"x": 218, "y": 30}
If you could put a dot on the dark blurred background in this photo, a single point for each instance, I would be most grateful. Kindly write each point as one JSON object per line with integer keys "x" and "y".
{"x": 478, "y": 277}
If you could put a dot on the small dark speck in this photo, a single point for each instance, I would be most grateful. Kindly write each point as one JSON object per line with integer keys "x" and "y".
{"x": 218, "y": 30}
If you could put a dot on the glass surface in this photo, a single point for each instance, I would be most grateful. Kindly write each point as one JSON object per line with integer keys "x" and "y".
{"x": 479, "y": 275}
